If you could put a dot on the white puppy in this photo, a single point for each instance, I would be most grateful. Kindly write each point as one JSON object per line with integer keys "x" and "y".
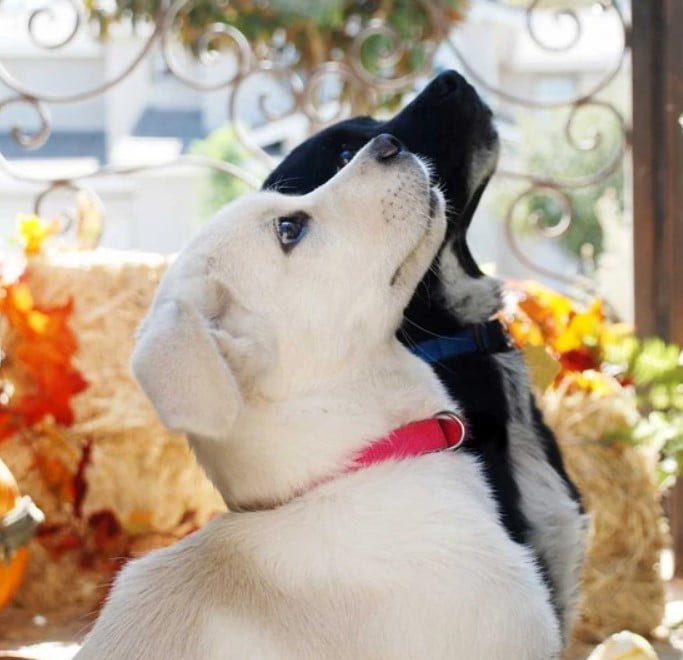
{"x": 271, "y": 343}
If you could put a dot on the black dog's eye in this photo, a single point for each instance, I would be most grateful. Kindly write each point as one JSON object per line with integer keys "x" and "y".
{"x": 344, "y": 158}
{"x": 290, "y": 229}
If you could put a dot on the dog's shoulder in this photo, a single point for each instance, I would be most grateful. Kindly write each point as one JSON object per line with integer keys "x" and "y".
{"x": 194, "y": 580}
{"x": 355, "y": 555}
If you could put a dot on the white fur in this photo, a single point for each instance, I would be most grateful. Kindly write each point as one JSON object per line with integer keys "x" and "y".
{"x": 469, "y": 299}
{"x": 405, "y": 559}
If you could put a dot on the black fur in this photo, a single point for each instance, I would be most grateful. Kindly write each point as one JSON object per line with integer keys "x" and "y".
{"x": 451, "y": 127}
{"x": 447, "y": 124}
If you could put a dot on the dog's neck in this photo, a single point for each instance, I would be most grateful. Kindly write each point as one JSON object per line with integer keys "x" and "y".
{"x": 448, "y": 300}
{"x": 279, "y": 448}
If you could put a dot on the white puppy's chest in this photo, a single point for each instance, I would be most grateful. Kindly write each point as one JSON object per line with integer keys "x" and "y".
{"x": 371, "y": 565}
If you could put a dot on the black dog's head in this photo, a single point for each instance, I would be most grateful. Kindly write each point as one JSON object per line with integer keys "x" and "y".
{"x": 449, "y": 125}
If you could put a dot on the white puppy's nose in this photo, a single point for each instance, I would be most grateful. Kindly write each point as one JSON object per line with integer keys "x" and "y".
{"x": 385, "y": 147}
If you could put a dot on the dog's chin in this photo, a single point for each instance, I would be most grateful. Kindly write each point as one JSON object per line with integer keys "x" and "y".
{"x": 437, "y": 208}
{"x": 435, "y": 202}
{"x": 420, "y": 256}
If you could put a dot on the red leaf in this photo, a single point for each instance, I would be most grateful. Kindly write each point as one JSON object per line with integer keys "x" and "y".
{"x": 106, "y": 529}
{"x": 80, "y": 484}
{"x": 579, "y": 359}
{"x": 43, "y": 347}
{"x": 59, "y": 538}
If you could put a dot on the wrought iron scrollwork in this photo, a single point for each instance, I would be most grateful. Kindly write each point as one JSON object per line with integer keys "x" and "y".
{"x": 19, "y": 135}
{"x": 47, "y": 13}
{"x": 556, "y": 188}
{"x": 361, "y": 85}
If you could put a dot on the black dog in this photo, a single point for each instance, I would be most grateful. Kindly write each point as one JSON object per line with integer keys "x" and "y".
{"x": 448, "y": 322}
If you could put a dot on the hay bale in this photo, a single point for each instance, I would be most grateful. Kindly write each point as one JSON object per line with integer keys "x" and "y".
{"x": 146, "y": 477}
{"x": 150, "y": 480}
{"x": 621, "y": 584}
{"x": 112, "y": 291}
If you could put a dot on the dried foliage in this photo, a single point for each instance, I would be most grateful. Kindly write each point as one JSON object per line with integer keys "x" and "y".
{"x": 40, "y": 350}
{"x": 596, "y": 406}
{"x": 111, "y": 481}
{"x": 606, "y": 358}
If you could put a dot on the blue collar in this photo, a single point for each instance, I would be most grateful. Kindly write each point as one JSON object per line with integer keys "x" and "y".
{"x": 484, "y": 338}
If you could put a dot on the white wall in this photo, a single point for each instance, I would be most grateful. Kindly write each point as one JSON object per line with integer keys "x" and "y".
{"x": 152, "y": 212}
{"x": 78, "y": 67}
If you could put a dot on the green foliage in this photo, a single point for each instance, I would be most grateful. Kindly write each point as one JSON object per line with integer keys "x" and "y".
{"x": 219, "y": 188}
{"x": 655, "y": 370}
{"x": 316, "y": 29}
{"x": 551, "y": 4}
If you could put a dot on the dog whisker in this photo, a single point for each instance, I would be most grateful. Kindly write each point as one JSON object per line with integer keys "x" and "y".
{"x": 425, "y": 330}
{"x": 281, "y": 185}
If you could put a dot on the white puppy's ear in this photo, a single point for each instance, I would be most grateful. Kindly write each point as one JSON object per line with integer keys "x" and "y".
{"x": 184, "y": 372}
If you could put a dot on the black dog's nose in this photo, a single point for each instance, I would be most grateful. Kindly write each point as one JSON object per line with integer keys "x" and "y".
{"x": 446, "y": 83}
{"x": 385, "y": 147}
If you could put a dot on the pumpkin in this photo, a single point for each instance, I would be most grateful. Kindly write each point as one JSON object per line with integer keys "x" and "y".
{"x": 12, "y": 571}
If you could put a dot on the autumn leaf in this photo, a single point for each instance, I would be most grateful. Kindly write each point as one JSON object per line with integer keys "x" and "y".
{"x": 573, "y": 334}
{"x": 43, "y": 346}
{"x": 58, "y": 539}
{"x": 594, "y": 381}
{"x": 56, "y": 476}
{"x": 583, "y": 329}
{"x": 37, "y": 383}
{"x": 579, "y": 359}
{"x": 80, "y": 483}
{"x": 33, "y": 232}
{"x": 139, "y": 521}
{"x": 106, "y": 529}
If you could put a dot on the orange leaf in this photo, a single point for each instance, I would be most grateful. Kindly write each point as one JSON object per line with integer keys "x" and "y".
{"x": 33, "y": 232}
{"x": 44, "y": 346}
{"x": 139, "y": 521}
{"x": 56, "y": 476}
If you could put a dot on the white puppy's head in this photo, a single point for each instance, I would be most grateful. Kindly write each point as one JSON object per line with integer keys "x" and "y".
{"x": 277, "y": 291}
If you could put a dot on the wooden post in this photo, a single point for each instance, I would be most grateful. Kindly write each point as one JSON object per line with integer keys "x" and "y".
{"x": 657, "y": 49}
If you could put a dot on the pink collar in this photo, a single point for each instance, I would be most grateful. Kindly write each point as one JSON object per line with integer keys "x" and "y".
{"x": 445, "y": 431}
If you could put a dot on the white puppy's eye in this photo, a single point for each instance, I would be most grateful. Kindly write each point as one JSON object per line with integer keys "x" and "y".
{"x": 290, "y": 229}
